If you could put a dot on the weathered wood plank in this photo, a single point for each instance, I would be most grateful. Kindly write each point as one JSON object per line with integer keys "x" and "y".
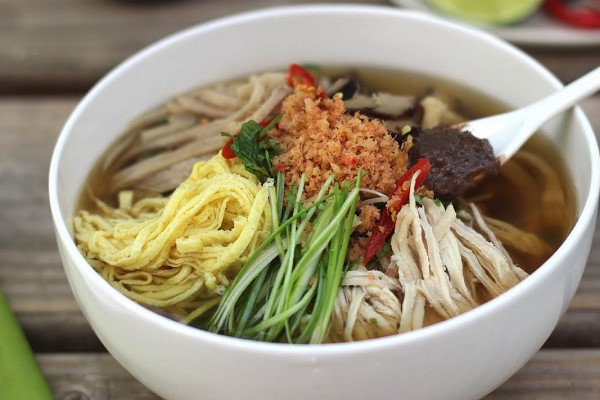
{"x": 554, "y": 375}
{"x": 91, "y": 377}
{"x": 31, "y": 274}
{"x": 66, "y": 45}
{"x": 49, "y": 332}
{"x": 50, "y": 46}
{"x": 551, "y": 374}
{"x": 576, "y": 329}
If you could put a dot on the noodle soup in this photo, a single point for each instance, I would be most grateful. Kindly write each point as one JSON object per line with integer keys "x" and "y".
{"x": 265, "y": 234}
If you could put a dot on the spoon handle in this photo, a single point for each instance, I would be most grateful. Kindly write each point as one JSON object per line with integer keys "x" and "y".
{"x": 542, "y": 110}
{"x": 508, "y": 132}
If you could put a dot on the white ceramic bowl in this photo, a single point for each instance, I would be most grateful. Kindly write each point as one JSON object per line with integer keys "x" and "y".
{"x": 463, "y": 358}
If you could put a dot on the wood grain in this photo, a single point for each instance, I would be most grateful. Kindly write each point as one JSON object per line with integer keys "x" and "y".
{"x": 64, "y": 46}
{"x": 555, "y": 375}
{"x": 91, "y": 377}
{"x": 50, "y": 46}
{"x": 550, "y": 375}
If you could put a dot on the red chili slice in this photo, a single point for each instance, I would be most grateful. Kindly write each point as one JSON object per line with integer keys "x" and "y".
{"x": 298, "y": 75}
{"x": 265, "y": 122}
{"x": 227, "y": 152}
{"x": 398, "y": 198}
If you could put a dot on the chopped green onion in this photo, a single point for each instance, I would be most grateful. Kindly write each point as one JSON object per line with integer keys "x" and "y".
{"x": 286, "y": 291}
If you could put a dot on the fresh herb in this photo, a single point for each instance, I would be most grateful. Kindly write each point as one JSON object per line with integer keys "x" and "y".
{"x": 400, "y": 197}
{"x": 419, "y": 200}
{"x": 254, "y": 148}
{"x": 286, "y": 291}
{"x": 374, "y": 321}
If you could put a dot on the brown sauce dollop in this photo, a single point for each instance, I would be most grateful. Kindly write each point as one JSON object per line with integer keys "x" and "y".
{"x": 459, "y": 160}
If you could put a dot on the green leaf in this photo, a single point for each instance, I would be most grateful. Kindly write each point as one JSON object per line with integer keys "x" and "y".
{"x": 254, "y": 148}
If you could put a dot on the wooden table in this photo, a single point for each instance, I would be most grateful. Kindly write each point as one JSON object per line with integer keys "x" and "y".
{"x": 51, "y": 52}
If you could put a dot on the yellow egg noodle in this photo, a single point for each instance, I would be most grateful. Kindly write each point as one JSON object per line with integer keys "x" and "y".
{"x": 179, "y": 253}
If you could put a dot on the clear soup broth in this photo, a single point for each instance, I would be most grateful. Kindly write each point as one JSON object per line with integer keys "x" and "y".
{"x": 532, "y": 191}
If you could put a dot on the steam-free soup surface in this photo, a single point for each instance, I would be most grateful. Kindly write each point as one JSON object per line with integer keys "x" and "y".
{"x": 529, "y": 207}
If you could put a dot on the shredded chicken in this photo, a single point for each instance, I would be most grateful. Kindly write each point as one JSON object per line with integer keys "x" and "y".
{"x": 382, "y": 103}
{"x": 436, "y": 112}
{"x": 444, "y": 267}
{"x": 366, "y": 306}
{"x": 189, "y": 127}
{"x": 524, "y": 245}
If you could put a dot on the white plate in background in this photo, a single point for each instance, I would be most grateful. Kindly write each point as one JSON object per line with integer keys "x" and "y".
{"x": 538, "y": 30}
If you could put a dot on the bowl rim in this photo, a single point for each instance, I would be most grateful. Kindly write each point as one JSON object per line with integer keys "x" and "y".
{"x": 586, "y": 214}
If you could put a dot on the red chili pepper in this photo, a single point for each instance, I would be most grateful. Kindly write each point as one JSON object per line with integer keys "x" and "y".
{"x": 227, "y": 152}
{"x": 298, "y": 75}
{"x": 398, "y": 198}
{"x": 580, "y": 16}
{"x": 265, "y": 122}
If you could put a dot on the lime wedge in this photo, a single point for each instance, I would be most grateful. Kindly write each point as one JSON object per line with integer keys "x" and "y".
{"x": 494, "y": 12}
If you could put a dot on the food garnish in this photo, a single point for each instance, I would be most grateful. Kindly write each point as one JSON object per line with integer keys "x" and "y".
{"x": 298, "y": 75}
{"x": 398, "y": 198}
{"x": 287, "y": 288}
{"x": 254, "y": 148}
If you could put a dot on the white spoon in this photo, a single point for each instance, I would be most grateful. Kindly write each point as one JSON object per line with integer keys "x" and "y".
{"x": 507, "y": 132}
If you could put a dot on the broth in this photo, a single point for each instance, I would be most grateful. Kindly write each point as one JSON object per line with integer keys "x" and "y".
{"x": 532, "y": 191}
